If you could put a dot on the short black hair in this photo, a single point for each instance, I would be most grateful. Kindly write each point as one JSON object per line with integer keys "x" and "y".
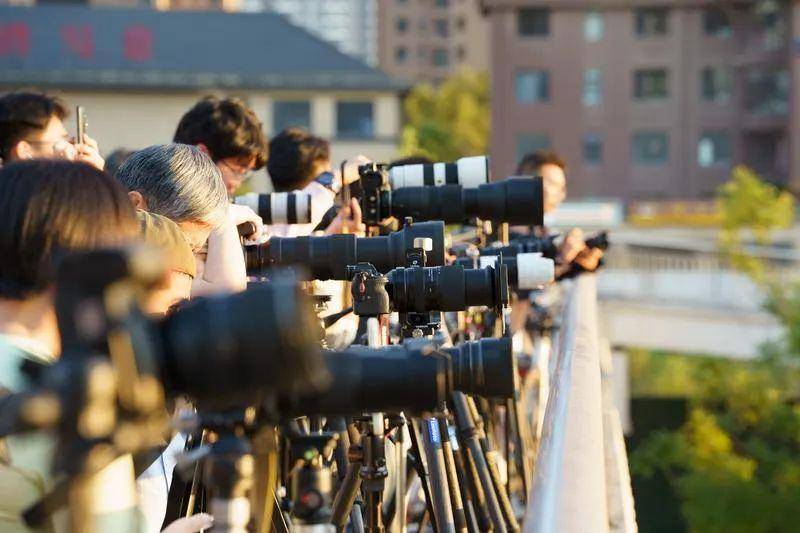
{"x": 293, "y": 153}
{"x": 227, "y": 127}
{"x": 532, "y": 163}
{"x": 22, "y": 113}
{"x": 52, "y": 207}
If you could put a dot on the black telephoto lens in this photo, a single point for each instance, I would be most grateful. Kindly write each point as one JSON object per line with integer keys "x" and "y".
{"x": 514, "y": 200}
{"x": 392, "y": 378}
{"x": 447, "y": 288}
{"x": 328, "y": 257}
{"x": 228, "y": 348}
{"x": 485, "y": 367}
{"x": 523, "y": 245}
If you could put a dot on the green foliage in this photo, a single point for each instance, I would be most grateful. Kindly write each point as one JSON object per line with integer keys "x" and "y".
{"x": 448, "y": 121}
{"x": 750, "y": 206}
{"x": 735, "y": 463}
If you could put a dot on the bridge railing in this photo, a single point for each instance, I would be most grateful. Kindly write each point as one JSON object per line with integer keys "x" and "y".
{"x": 580, "y": 478}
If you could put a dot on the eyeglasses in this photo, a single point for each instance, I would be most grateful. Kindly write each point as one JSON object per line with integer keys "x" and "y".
{"x": 242, "y": 173}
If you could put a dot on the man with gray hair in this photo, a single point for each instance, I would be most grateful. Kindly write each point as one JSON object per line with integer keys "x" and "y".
{"x": 182, "y": 183}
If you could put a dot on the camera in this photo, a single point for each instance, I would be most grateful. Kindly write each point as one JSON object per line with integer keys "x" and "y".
{"x": 328, "y": 257}
{"x": 526, "y": 271}
{"x": 514, "y": 200}
{"x": 546, "y": 246}
{"x": 415, "y": 376}
{"x": 279, "y": 207}
{"x": 468, "y": 172}
{"x": 446, "y": 288}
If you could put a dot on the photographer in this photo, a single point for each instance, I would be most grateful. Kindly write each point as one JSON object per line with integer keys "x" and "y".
{"x": 181, "y": 183}
{"x": 301, "y": 161}
{"x": 552, "y": 168}
{"x": 47, "y": 209}
{"x": 229, "y": 133}
{"x": 31, "y": 127}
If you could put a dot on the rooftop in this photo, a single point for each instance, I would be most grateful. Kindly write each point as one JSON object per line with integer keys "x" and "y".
{"x": 76, "y": 46}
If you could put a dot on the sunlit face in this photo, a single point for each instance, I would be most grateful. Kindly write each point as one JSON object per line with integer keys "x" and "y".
{"x": 196, "y": 233}
{"x": 235, "y": 172}
{"x": 52, "y": 141}
{"x": 554, "y": 182}
{"x": 174, "y": 291}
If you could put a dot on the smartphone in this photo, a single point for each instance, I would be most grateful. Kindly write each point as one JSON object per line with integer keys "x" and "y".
{"x": 80, "y": 116}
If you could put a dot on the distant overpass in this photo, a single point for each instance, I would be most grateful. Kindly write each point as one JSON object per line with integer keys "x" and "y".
{"x": 677, "y": 294}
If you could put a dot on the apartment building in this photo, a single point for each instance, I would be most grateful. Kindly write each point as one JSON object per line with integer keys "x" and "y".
{"x": 647, "y": 99}
{"x": 427, "y": 40}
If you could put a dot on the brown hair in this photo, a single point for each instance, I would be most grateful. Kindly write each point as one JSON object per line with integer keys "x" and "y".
{"x": 52, "y": 207}
{"x": 532, "y": 163}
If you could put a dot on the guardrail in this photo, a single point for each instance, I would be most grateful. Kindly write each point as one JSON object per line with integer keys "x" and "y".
{"x": 580, "y": 447}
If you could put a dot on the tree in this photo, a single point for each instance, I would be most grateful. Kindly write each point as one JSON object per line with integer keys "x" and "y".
{"x": 449, "y": 121}
{"x": 736, "y": 462}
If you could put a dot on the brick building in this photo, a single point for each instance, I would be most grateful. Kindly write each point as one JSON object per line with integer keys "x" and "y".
{"x": 647, "y": 99}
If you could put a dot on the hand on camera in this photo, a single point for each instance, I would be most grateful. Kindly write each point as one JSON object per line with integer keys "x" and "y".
{"x": 351, "y": 169}
{"x": 88, "y": 152}
{"x": 572, "y": 245}
{"x": 348, "y": 220}
{"x": 239, "y": 214}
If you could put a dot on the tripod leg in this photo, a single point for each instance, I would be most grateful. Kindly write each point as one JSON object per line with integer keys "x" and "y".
{"x": 468, "y": 434}
{"x": 421, "y": 467}
{"x": 346, "y": 497}
{"x": 490, "y": 456}
{"x": 432, "y": 443}
{"x": 457, "y": 503}
{"x": 471, "y": 505}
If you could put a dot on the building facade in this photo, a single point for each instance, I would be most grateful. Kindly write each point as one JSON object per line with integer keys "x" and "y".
{"x": 427, "y": 40}
{"x": 646, "y": 100}
{"x": 350, "y": 25}
{"x": 138, "y": 71}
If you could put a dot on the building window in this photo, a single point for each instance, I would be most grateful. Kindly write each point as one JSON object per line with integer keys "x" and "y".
{"x": 442, "y": 3}
{"x": 766, "y": 91}
{"x": 592, "y": 87}
{"x": 650, "y": 84}
{"x": 401, "y": 24}
{"x": 401, "y": 54}
{"x": 533, "y": 22}
{"x": 530, "y": 142}
{"x": 461, "y": 53}
{"x": 716, "y": 23}
{"x": 593, "y": 26}
{"x": 651, "y": 21}
{"x": 772, "y": 21}
{"x": 715, "y": 84}
{"x": 532, "y": 86}
{"x": 289, "y": 113}
{"x": 461, "y": 24}
{"x": 714, "y": 148}
{"x": 592, "y": 149}
{"x": 440, "y": 27}
{"x": 354, "y": 120}
{"x": 650, "y": 147}
{"x": 439, "y": 58}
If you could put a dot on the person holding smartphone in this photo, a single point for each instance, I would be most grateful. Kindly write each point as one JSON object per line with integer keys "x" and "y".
{"x": 32, "y": 127}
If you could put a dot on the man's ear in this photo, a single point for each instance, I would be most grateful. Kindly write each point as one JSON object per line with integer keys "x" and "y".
{"x": 137, "y": 200}
{"x": 203, "y": 148}
{"x": 21, "y": 150}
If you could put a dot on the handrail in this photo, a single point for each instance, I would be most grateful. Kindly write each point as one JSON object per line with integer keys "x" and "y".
{"x": 569, "y": 486}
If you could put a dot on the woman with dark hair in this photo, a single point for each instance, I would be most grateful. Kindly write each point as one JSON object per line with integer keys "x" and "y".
{"x": 50, "y": 208}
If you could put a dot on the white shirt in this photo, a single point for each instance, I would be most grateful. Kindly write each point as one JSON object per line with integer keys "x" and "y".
{"x": 153, "y": 484}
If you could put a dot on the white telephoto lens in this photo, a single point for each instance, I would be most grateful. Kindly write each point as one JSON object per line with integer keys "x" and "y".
{"x": 534, "y": 270}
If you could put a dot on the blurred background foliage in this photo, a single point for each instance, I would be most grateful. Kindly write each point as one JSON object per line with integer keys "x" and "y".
{"x": 733, "y": 464}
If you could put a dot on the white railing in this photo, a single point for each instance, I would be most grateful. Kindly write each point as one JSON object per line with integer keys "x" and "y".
{"x": 579, "y": 483}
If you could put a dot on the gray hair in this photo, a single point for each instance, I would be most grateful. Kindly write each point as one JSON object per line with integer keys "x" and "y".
{"x": 177, "y": 181}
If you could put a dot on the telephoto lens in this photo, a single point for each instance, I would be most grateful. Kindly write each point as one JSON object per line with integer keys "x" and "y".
{"x": 469, "y": 172}
{"x": 224, "y": 350}
{"x": 526, "y": 271}
{"x": 414, "y": 377}
{"x": 447, "y": 288}
{"x": 279, "y": 207}
{"x": 514, "y": 200}
{"x": 329, "y": 256}
{"x": 526, "y": 244}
